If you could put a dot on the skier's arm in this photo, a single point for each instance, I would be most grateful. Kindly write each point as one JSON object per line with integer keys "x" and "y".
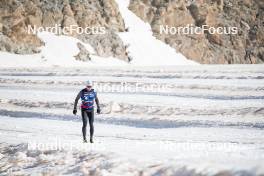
{"x": 97, "y": 102}
{"x": 76, "y": 100}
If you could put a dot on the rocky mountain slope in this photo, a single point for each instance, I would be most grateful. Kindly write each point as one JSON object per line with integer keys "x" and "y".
{"x": 245, "y": 47}
{"x": 247, "y": 15}
{"x": 17, "y": 15}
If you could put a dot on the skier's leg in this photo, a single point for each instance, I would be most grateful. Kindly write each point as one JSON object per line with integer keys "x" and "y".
{"x": 84, "y": 120}
{"x": 91, "y": 120}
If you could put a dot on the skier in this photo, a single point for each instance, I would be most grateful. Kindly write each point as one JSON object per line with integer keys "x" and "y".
{"x": 88, "y": 96}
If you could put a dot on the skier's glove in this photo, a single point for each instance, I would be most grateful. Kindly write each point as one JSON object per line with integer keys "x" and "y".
{"x": 98, "y": 110}
{"x": 74, "y": 111}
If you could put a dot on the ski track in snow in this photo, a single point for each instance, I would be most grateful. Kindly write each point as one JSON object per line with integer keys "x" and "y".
{"x": 213, "y": 114}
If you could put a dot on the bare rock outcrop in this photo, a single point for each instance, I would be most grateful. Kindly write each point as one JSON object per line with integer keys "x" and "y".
{"x": 106, "y": 45}
{"x": 84, "y": 54}
{"x": 244, "y": 47}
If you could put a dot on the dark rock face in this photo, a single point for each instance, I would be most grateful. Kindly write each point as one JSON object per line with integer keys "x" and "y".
{"x": 17, "y": 15}
{"x": 244, "y": 47}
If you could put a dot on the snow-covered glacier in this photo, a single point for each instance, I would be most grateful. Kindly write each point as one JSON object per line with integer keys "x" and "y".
{"x": 174, "y": 120}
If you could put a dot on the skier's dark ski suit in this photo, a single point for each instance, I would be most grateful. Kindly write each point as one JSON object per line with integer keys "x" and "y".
{"x": 87, "y": 109}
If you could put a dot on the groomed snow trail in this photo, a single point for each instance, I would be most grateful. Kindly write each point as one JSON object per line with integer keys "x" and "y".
{"x": 204, "y": 120}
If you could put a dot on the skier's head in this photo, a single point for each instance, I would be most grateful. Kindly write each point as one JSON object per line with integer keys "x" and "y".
{"x": 89, "y": 85}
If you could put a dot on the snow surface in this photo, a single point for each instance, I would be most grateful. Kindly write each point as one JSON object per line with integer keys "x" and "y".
{"x": 180, "y": 120}
{"x": 214, "y": 125}
{"x": 57, "y": 51}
